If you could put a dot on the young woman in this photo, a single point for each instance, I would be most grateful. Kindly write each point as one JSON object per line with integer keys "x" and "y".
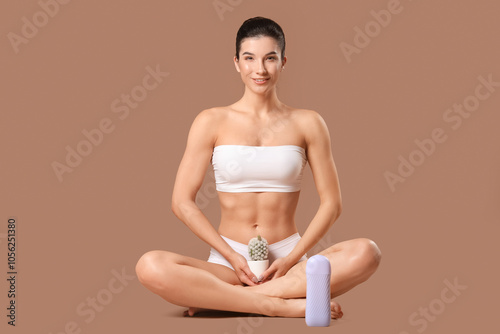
{"x": 258, "y": 147}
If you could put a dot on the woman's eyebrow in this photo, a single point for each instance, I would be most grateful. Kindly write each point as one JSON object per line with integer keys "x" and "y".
{"x": 251, "y": 54}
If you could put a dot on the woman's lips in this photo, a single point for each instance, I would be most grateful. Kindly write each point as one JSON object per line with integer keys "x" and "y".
{"x": 260, "y": 81}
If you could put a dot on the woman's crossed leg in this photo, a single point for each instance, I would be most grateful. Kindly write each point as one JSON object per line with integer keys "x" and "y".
{"x": 197, "y": 284}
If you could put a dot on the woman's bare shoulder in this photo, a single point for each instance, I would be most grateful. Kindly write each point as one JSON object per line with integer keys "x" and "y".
{"x": 306, "y": 117}
{"x": 213, "y": 113}
{"x": 311, "y": 124}
{"x": 210, "y": 118}
{"x": 204, "y": 127}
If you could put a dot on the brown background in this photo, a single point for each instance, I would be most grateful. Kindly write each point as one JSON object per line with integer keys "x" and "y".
{"x": 441, "y": 223}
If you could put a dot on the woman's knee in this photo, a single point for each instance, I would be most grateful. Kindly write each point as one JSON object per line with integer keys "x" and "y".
{"x": 366, "y": 254}
{"x": 153, "y": 268}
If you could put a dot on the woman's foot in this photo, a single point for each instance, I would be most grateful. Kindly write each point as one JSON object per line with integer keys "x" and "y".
{"x": 291, "y": 308}
{"x": 296, "y": 308}
{"x": 193, "y": 310}
{"x": 336, "y": 310}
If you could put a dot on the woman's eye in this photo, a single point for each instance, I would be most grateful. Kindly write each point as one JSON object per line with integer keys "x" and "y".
{"x": 269, "y": 58}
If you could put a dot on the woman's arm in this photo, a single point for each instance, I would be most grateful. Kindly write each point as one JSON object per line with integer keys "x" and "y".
{"x": 319, "y": 155}
{"x": 320, "y": 159}
{"x": 190, "y": 175}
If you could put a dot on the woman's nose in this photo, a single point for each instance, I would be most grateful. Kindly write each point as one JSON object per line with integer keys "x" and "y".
{"x": 261, "y": 68}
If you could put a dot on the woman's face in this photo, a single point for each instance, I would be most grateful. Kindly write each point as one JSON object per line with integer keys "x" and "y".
{"x": 260, "y": 63}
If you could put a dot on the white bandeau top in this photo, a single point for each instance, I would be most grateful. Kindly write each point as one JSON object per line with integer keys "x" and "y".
{"x": 243, "y": 168}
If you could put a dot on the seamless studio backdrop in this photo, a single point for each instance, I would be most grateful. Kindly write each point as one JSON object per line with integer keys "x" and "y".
{"x": 97, "y": 101}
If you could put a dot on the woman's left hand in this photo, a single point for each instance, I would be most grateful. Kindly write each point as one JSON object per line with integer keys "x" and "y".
{"x": 278, "y": 268}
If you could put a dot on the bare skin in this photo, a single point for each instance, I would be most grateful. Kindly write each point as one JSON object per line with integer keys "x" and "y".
{"x": 257, "y": 119}
{"x": 299, "y": 307}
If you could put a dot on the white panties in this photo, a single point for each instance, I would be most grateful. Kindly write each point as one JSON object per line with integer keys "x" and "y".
{"x": 276, "y": 250}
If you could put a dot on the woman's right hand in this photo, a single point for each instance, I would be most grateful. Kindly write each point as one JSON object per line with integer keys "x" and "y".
{"x": 242, "y": 269}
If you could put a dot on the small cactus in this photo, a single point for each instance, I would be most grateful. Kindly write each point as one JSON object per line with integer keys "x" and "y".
{"x": 257, "y": 249}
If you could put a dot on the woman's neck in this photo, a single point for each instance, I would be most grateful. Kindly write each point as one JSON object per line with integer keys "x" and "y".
{"x": 260, "y": 104}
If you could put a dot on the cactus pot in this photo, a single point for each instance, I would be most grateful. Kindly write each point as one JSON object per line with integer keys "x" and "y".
{"x": 258, "y": 267}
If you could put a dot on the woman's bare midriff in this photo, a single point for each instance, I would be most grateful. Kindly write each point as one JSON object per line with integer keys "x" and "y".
{"x": 269, "y": 214}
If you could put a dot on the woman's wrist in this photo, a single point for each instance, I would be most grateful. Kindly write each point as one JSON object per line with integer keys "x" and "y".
{"x": 231, "y": 255}
{"x": 296, "y": 254}
{"x": 291, "y": 259}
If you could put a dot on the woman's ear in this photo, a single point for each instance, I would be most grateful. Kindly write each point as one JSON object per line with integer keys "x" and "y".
{"x": 236, "y": 64}
{"x": 283, "y": 62}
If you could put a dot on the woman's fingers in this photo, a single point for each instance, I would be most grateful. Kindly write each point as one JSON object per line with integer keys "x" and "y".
{"x": 246, "y": 276}
{"x": 270, "y": 273}
{"x": 266, "y": 274}
{"x": 250, "y": 275}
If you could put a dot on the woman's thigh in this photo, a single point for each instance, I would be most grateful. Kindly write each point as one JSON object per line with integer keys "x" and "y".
{"x": 344, "y": 252}
{"x": 161, "y": 260}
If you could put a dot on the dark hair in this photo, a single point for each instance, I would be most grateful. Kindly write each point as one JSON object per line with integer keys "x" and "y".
{"x": 259, "y": 27}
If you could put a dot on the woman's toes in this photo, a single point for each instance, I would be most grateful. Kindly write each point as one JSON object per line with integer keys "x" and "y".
{"x": 190, "y": 312}
{"x": 336, "y": 310}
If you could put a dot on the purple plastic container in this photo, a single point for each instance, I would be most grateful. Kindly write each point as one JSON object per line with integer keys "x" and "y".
{"x": 318, "y": 312}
